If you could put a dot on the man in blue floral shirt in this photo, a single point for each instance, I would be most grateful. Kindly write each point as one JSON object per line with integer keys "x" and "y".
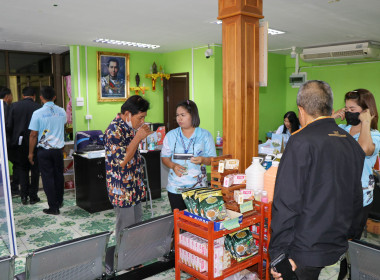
{"x": 124, "y": 170}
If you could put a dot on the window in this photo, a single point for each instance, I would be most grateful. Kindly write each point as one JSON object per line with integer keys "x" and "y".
{"x": 29, "y": 63}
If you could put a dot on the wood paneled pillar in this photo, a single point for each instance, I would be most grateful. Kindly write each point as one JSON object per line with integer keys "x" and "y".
{"x": 240, "y": 78}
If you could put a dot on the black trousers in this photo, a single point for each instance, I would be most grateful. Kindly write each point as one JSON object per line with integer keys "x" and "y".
{"x": 308, "y": 272}
{"x": 12, "y": 157}
{"x": 29, "y": 186}
{"x": 176, "y": 201}
{"x": 50, "y": 163}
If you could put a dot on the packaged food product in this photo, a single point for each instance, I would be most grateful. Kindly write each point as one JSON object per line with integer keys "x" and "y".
{"x": 211, "y": 205}
{"x": 228, "y": 180}
{"x": 232, "y": 164}
{"x": 239, "y": 179}
{"x": 242, "y": 244}
{"x": 238, "y": 197}
{"x": 248, "y": 194}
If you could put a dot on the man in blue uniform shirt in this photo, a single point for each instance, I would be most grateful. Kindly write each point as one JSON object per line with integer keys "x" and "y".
{"x": 47, "y": 132}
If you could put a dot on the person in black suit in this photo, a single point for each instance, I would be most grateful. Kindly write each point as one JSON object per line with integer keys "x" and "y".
{"x": 18, "y": 122}
{"x": 318, "y": 195}
{"x": 6, "y": 96}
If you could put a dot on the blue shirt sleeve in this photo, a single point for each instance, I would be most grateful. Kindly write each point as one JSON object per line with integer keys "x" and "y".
{"x": 210, "y": 150}
{"x": 166, "y": 150}
{"x": 34, "y": 125}
{"x": 375, "y": 135}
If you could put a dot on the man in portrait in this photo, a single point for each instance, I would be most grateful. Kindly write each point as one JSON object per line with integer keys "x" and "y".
{"x": 112, "y": 85}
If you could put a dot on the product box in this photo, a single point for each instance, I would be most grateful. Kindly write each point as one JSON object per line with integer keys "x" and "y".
{"x": 160, "y": 132}
{"x": 238, "y": 197}
{"x": 239, "y": 179}
{"x": 217, "y": 225}
{"x": 232, "y": 164}
{"x": 247, "y": 194}
{"x": 228, "y": 180}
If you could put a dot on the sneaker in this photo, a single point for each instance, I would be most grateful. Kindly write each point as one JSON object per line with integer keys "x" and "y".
{"x": 51, "y": 211}
{"x": 34, "y": 200}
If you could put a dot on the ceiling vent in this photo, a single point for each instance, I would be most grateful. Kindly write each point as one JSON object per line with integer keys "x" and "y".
{"x": 351, "y": 52}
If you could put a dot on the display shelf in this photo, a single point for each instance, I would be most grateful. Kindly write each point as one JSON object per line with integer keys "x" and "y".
{"x": 68, "y": 164}
{"x": 235, "y": 268}
{"x": 267, "y": 207}
{"x": 206, "y": 231}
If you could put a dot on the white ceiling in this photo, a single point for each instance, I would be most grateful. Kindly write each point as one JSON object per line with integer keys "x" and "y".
{"x": 177, "y": 24}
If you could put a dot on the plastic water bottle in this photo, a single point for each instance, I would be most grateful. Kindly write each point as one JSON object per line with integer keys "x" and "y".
{"x": 270, "y": 180}
{"x": 255, "y": 175}
{"x": 219, "y": 139}
{"x": 267, "y": 162}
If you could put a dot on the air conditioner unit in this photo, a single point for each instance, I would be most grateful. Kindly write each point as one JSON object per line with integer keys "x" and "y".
{"x": 362, "y": 51}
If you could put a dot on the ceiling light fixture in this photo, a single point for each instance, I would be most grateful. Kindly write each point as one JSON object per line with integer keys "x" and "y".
{"x": 275, "y": 32}
{"x": 125, "y": 43}
{"x": 216, "y": 21}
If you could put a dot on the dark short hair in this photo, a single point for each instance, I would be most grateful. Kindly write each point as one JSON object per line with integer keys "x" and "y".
{"x": 316, "y": 98}
{"x": 29, "y": 91}
{"x": 365, "y": 99}
{"x": 294, "y": 122}
{"x": 4, "y": 92}
{"x": 192, "y": 109}
{"x": 47, "y": 92}
{"x": 113, "y": 60}
{"x": 135, "y": 104}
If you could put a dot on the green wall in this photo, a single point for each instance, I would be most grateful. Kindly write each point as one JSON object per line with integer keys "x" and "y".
{"x": 272, "y": 97}
{"x": 274, "y": 100}
{"x": 207, "y": 85}
{"x": 103, "y": 112}
{"x": 342, "y": 78}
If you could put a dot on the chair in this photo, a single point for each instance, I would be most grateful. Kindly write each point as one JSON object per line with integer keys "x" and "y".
{"x": 141, "y": 243}
{"x": 374, "y": 213}
{"x": 82, "y": 258}
{"x": 365, "y": 260}
{"x": 146, "y": 181}
{"x": 7, "y": 267}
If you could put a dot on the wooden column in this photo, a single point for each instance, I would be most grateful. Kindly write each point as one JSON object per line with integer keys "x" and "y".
{"x": 240, "y": 78}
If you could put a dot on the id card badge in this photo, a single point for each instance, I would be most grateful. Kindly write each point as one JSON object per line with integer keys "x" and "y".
{"x": 182, "y": 156}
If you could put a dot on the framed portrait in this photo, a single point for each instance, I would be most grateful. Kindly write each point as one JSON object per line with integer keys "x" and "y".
{"x": 113, "y": 76}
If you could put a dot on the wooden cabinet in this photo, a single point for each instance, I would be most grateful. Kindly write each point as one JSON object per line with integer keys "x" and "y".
{"x": 90, "y": 184}
{"x": 206, "y": 231}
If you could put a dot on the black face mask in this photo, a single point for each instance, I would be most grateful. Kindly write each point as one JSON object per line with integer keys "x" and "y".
{"x": 352, "y": 118}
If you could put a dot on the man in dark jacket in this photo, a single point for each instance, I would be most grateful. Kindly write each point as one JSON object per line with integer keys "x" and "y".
{"x": 318, "y": 193}
{"x": 19, "y": 117}
{"x": 7, "y": 97}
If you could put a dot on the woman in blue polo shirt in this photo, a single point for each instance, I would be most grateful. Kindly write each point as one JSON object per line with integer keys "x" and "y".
{"x": 361, "y": 116}
{"x": 186, "y": 150}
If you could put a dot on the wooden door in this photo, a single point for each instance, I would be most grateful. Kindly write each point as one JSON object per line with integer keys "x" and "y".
{"x": 176, "y": 90}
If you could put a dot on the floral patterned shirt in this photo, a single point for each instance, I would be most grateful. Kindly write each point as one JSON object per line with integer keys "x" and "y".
{"x": 125, "y": 186}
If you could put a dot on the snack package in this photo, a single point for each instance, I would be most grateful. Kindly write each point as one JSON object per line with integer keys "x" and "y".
{"x": 239, "y": 179}
{"x": 238, "y": 196}
{"x": 228, "y": 180}
{"x": 242, "y": 244}
{"x": 232, "y": 164}
{"x": 211, "y": 205}
{"x": 247, "y": 194}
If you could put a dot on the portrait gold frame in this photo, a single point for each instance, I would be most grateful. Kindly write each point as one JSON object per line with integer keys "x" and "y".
{"x": 123, "y": 56}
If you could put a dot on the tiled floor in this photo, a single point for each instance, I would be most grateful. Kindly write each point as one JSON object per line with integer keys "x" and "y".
{"x": 34, "y": 229}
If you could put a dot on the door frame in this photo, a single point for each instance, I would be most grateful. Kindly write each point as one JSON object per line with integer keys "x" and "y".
{"x": 183, "y": 74}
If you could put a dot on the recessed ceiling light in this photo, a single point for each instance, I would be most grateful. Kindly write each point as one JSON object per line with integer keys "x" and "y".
{"x": 274, "y": 32}
{"x": 125, "y": 43}
{"x": 216, "y": 22}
